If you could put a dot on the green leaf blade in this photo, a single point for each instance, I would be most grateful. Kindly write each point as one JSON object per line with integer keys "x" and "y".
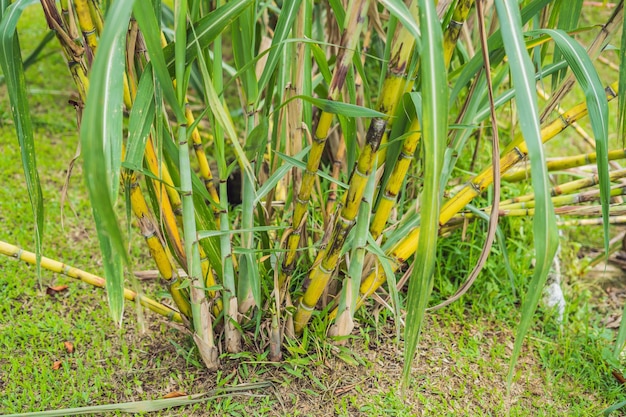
{"x": 13, "y": 69}
{"x": 101, "y": 138}
{"x": 434, "y": 138}
{"x": 544, "y": 222}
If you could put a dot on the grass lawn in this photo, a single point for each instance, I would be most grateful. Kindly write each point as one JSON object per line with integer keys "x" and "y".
{"x": 463, "y": 355}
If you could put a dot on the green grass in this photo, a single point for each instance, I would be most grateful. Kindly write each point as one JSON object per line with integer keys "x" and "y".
{"x": 463, "y": 357}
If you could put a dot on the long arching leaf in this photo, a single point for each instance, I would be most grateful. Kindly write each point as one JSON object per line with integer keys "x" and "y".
{"x": 101, "y": 138}
{"x": 598, "y": 108}
{"x": 434, "y": 137}
{"x": 11, "y": 63}
{"x": 544, "y": 222}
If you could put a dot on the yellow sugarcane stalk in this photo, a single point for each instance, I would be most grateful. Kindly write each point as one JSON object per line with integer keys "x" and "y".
{"x": 393, "y": 87}
{"x": 388, "y": 197}
{"x": 357, "y": 12}
{"x": 568, "y": 187}
{"x": 389, "y": 194}
{"x": 514, "y": 153}
{"x": 322, "y": 271}
{"x": 86, "y": 23}
{"x": 203, "y": 163}
{"x": 615, "y": 210}
{"x": 451, "y": 35}
{"x": 527, "y": 208}
{"x": 157, "y": 247}
{"x": 73, "y": 52}
{"x": 96, "y": 16}
{"x": 61, "y": 268}
{"x": 396, "y": 81}
{"x": 565, "y": 163}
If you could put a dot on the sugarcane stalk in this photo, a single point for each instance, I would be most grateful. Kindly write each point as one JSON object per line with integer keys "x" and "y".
{"x": 337, "y": 162}
{"x": 390, "y": 193}
{"x": 405, "y": 247}
{"x": 593, "y": 222}
{"x": 138, "y": 205}
{"x": 156, "y": 245}
{"x": 615, "y": 210}
{"x": 91, "y": 279}
{"x": 453, "y": 31}
{"x": 86, "y": 23}
{"x": 527, "y": 208}
{"x": 347, "y": 304}
{"x": 568, "y": 187}
{"x": 202, "y": 326}
{"x": 357, "y": 11}
{"x": 565, "y": 163}
{"x": 73, "y": 52}
{"x": 561, "y": 200}
{"x": 96, "y": 16}
{"x": 229, "y": 295}
{"x": 322, "y": 271}
{"x": 203, "y": 163}
{"x": 397, "y": 81}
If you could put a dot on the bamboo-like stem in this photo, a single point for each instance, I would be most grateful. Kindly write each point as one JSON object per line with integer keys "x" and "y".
{"x": 565, "y": 163}
{"x": 357, "y": 11}
{"x": 337, "y": 162}
{"x": 91, "y": 279}
{"x": 453, "y": 31}
{"x": 404, "y": 248}
{"x": 347, "y": 303}
{"x": 568, "y": 187}
{"x": 397, "y": 80}
{"x": 96, "y": 16}
{"x": 593, "y": 222}
{"x": 229, "y": 295}
{"x": 322, "y": 271}
{"x": 527, "y": 208}
{"x": 390, "y": 193}
{"x": 158, "y": 249}
{"x": 72, "y": 51}
{"x": 86, "y": 23}
{"x": 203, "y": 163}
{"x": 561, "y": 200}
{"x": 615, "y": 210}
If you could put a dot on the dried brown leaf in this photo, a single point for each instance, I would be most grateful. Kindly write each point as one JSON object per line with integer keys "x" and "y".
{"x": 56, "y": 289}
{"x": 175, "y": 394}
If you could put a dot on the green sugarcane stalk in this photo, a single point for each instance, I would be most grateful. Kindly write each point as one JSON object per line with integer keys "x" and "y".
{"x": 202, "y": 326}
{"x": 615, "y": 210}
{"x": 231, "y": 312}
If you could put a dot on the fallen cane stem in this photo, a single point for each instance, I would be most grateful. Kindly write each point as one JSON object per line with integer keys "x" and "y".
{"x": 61, "y": 268}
